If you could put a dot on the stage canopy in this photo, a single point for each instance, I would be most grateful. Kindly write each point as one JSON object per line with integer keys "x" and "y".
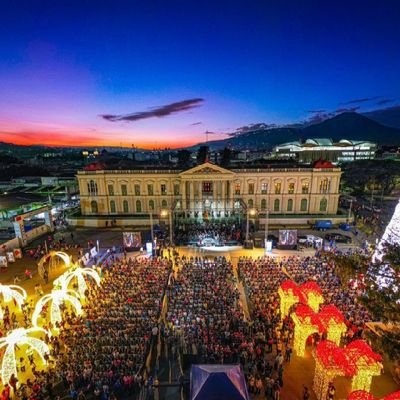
{"x": 216, "y": 382}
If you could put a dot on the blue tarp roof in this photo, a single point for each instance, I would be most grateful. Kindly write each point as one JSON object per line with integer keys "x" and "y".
{"x": 216, "y": 382}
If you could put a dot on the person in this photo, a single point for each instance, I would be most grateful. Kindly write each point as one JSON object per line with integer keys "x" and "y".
{"x": 306, "y": 393}
{"x": 331, "y": 391}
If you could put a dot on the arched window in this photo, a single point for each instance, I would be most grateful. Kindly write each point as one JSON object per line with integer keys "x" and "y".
{"x": 290, "y": 205}
{"x": 250, "y": 203}
{"x": 164, "y": 204}
{"x": 125, "y": 206}
{"x": 112, "y": 206}
{"x": 303, "y": 205}
{"x": 93, "y": 206}
{"x": 263, "y": 204}
{"x": 323, "y": 204}
{"x": 276, "y": 205}
{"x": 151, "y": 205}
{"x": 92, "y": 188}
{"x": 138, "y": 206}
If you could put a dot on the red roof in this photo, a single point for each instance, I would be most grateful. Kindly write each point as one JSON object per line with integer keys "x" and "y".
{"x": 393, "y": 396}
{"x": 360, "y": 395}
{"x": 331, "y": 312}
{"x": 310, "y": 287}
{"x": 322, "y": 164}
{"x": 291, "y": 285}
{"x": 96, "y": 166}
{"x": 361, "y": 349}
{"x": 302, "y": 311}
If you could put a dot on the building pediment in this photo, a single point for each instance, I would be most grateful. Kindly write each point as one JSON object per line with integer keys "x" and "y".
{"x": 206, "y": 169}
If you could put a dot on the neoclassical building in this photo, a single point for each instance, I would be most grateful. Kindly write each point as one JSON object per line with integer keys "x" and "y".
{"x": 208, "y": 191}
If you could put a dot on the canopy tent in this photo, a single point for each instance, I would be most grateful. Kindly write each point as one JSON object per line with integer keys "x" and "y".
{"x": 216, "y": 382}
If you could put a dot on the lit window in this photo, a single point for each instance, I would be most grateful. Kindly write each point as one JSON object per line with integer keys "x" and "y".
{"x": 278, "y": 187}
{"x": 264, "y": 188}
{"x": 251, "y": 188}
{"x": 150, "y": 190}
{"x": 324, "y": 186}
{"x": 291, "y": 188}
{"x": 304, "y": 187}
{"x": 237, "y": 188}
{"x": 207, "y": 187}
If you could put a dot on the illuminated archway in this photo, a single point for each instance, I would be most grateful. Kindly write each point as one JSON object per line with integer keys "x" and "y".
{"x": 12, "y": 292}
{"x": 289, "y": 294}
{"x": 79, "y": 275}
{"x": 52, "y": 258}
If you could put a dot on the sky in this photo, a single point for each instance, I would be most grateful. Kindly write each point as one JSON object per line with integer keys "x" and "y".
{"x": 161, "y": 73}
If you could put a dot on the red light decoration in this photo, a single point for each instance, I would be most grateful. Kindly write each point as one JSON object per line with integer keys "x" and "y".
{"x": 334, "y": 322}
{"x": 393, "y": 396}
{"x": 360, "y": 395}
{"x": 289, "y": 294}
{"x": 313, "y": 294}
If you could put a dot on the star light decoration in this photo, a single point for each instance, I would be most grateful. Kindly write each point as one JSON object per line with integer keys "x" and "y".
{"x": 330, "y": 361}
{"x": 313, "y": 294}
{"x": 366, "y": 362}
{"x": 289, "y": 294}
{"x": 334, "y": 323}
{"x": 16, "y": 339}
{"x": 56, "y": 298}
{"x": 12, "y": 292}
{"x": 79, "y": 274}
{"x": 306, "y": 323}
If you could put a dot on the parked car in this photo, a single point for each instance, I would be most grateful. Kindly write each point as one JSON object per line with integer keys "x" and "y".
{"x": 323, "y": 225}
{"x": 304, "y": 239}
{"x": 344, "y": 227}
{"x": 338, "y": 238}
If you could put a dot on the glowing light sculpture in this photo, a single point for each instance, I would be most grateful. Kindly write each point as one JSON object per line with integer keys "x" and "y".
{"x": 360, "y": 395}
{"x": 56, "y": 297}
{"x": 289, "y": 294}
{"x": 330, "y": 362}
{"x": 306, "y": 323}
{"x": 65, "y": 257}
{"x": 313, "y": 295}
{"x": 79, "y": 274}
{"x": 393, "y": 396}
{"x": 366, "y": 362}
{"x": 12, "y": 292}
{"x": 17, "y": 338}
{"x": 334, "y": 323}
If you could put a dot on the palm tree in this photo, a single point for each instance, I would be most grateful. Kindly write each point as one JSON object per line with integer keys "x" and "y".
{"x": 15, "y": 339}
{"x": 79, "y": 274}
{"x": 12, "y": 292}
{"x": 56, "y": 297}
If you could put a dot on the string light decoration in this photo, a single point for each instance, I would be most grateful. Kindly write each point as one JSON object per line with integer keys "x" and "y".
{"x": 56, "y": 298}
{"x": 65, "y": 257}
{"x": 313, "y": 295}
{"x": 15, "y": 340}
{"x": 334, "y": 323}
{"x": 330, "y": 362}
{"x": 12, "y": 292}
{"x": 79, "y": 274}
{"x": 366, "y": 362}
{"x": 306, "y": 323}
{"x": 360, "y": 395}
{"x": 289, "y": 294}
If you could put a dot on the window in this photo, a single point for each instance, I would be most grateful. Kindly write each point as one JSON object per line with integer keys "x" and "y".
{"x": 237, "y": 204}
{"x": 176, "y": 189}
{"x": 303, "y": 205}
{"x": 324, "y": 185}
{"x": 290, "y": 205}
{"x": 93, "y": 207}
{"x": 125, "y": 206}
{"x": 291, "y": 188}
{"x": 112, "y": 206}
{"x": 237, "y": 188}
{"x": 263, "y": 204}
{"x": 163, "y": 188}
{"x": 264, "y": 188}
{"x": 124, "y": 190}
{"x": 151, "y": 205}
{"x": 111, "y": 190}
{"x": 323, "y": 205}
{"x": 278, "y": 187}
{"x": 138, "y": 206}
{"x": 304, "y": 187}
{"x": 164, "y": 204}
{"x": 207, "y": 187}
{"x": 276, "y": 205}
{"x": 250, "y": 203}
{"x": 137, "y": 189}
{"x": 251, "y": 188}
{"x": 150, "y": 189}
{"x": 92, "y": 188}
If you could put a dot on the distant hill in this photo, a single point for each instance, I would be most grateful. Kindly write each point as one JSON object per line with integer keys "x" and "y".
{"x": 388, "y": 116}
{"x": 349, "y": 125}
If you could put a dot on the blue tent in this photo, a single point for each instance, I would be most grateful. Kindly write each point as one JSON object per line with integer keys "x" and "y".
{"x": 216, "y": 382}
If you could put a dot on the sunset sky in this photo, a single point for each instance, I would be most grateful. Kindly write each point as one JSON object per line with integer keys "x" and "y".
{"x": 160, "y": 73}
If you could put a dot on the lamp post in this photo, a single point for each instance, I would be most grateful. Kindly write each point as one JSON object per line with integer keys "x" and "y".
{"x": 349, "y": 214}
{"x": 164, "y": 213}
{"x": 251, "y": 212}
{"x": 266, "y": 228}
{"x": 151, "y": 228}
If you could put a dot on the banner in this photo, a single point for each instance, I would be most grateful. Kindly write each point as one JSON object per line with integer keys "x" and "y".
{"x": 3, "y": 262}
{"x": 93, "y": 251}
{"x": 132, "y": 239}
{"x": 10, "y": 257}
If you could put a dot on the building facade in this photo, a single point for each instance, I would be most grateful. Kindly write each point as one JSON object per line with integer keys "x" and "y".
{"x": 209, "y": 191}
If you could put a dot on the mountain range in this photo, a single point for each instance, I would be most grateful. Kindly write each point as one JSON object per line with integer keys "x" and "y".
{"x": 381, "y": 126}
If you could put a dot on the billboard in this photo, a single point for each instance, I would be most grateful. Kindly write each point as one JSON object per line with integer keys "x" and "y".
{"x": 132, "y": 239}
{"x": 287, "y": 237}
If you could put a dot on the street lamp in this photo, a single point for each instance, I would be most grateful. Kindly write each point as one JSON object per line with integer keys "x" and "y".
{"x": 163, "y": 214}
{"x": 151, "y": 227}
{"x": 250, "y": 212}
{"x": 266, "y": 228}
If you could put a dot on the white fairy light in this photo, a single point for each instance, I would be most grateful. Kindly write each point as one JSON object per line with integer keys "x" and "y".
{"x": 12, "y": 292}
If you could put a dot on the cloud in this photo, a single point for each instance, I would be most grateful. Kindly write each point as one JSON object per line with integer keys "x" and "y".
{"x": 315, "y": 111}
{"x": 384, "y": 101}
{"x": 155, "y": 112}
{"x": 196, "y": 123}
{"x": 319, "y": 117}
{"x": 347, "y": 109}
{"x": 361, "y": 100}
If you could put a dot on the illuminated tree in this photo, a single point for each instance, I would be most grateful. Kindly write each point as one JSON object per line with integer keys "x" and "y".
{"x": 334, "y": 323}
{"x": 79, "y": 274}
{"x": 289, "y": 294}
{"x": 12, "y": 292}
{"x": 313, "y": 294}
{"x": 56, "y": 298}
{"x": 16, "y": 339}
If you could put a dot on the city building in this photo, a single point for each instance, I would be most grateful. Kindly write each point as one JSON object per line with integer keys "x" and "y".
{"x": 315, "y": 149}
{"x": 207, "y": 192}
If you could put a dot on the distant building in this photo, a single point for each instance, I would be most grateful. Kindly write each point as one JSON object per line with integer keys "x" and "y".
{"x": 319, "y": 148}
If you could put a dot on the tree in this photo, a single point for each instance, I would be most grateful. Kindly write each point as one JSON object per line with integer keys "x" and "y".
{"x": 184, "y": 157}
{"x": 226, "y": 156}
{"x": 202, "y": 154}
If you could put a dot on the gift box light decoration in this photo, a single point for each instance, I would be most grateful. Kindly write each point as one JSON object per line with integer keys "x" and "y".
{"x": 313, "y": 295}
{"x": 334, "y": 323}
{"x": 12, "y": 292}
{"x": 289, "y": 294}
{"x": 15, "y": 340}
